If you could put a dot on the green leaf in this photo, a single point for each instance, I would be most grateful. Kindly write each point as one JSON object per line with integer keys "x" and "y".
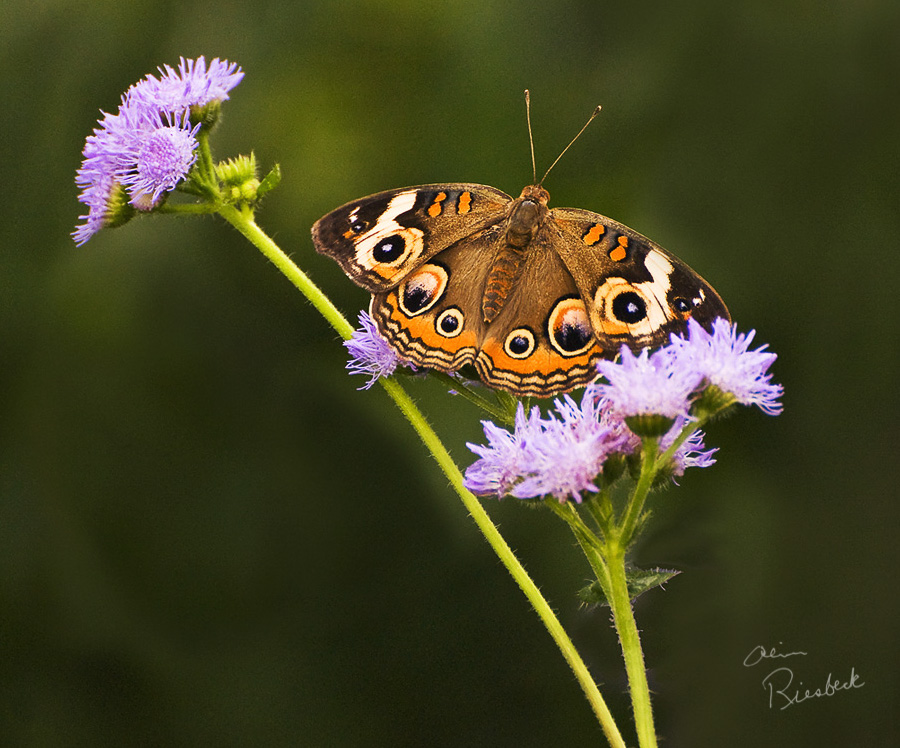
{"x": 270, "y": 181}
{"x": 638, "y": 580}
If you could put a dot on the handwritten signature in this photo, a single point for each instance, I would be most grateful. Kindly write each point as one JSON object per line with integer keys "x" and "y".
{"x": 780, "y": 680}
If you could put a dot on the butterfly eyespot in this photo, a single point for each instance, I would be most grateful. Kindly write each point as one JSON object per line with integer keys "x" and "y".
{"x": 629, "y": 307}
{"x": 449, "y": 323}
{"x": 519, "y": 343}
{"x": 389, "y": 249}
{"x": 422, "y": 291}
{"x": 357, "y": 227}
{"x": 569, "y": 328}
{"x": 681, "y": 305}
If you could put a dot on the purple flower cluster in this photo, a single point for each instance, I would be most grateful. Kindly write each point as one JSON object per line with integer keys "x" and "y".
{"x": 563, "y": 455}
{"x": 664, "y": 382}
{"x": 148, "y": 147}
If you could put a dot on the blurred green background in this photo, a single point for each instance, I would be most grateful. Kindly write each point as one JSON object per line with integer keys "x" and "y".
{"x": 208, "y": 536}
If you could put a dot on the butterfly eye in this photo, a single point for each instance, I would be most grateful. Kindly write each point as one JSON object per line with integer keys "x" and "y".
{"x": 629, "y": 307}
{"x": 519, "y": 343}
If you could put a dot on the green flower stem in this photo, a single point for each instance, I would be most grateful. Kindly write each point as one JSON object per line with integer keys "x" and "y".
{"x": 626, "y": 627}
{"x": 493, "y": 409}
{"x": 190, "y": 209}
{"x": 607, "y": 559}
{"x": 205, "y": 166}
{"x": 649, "y": 466}
{"x": 243, "y": 221}
{"x": 509, "y": 560}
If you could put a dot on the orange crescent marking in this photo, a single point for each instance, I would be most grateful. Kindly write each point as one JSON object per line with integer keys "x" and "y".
{"x": 465, "y": 202}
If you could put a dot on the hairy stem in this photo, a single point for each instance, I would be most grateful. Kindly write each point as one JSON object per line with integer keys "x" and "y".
{"x": 626, "y": 627}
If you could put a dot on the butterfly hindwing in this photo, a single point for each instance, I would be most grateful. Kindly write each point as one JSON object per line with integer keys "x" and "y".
{"x": 434, "y": 317}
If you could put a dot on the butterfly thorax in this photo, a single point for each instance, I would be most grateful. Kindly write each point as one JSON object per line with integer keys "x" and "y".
{"x": 525, "y": 217}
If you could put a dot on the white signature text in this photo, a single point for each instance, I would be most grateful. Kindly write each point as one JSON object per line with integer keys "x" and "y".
{"x": 779, "y": 682}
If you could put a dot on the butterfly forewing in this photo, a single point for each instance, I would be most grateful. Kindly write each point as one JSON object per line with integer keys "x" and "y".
{"x": 379, "y": 239}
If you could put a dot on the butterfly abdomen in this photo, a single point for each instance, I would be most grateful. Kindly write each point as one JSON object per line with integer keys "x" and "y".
{"x": 526, "y": 215}
{"x": 500, "y": 281}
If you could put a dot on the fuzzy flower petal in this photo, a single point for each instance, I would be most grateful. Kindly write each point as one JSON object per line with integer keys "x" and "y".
{"x": 105, "y": 150}
{"x": 723, "y": 358}
{"x": 159, "y": 158}
{"x": 691, "y": 453}
{"x": 148, "y": 146}
{"x": 370, "y": 354}
{"x": 647, "y": 384}
{"x": 99, "y": 187}
{"x": 136, "y": 149}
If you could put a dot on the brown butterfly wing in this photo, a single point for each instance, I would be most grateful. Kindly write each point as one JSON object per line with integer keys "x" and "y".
{"x": 434, "y": 316}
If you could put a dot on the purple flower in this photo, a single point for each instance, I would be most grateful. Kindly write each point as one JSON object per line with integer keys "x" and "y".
{"x": 370, "y": 353}
{"x": 149, "y": 146}
{"x": 136, "y": 149}
{"x": 647, "y": 384}
{"x": 564, "y": 454}
{"x": 194, "y": 84}
{"x": 99, "y": 194}
{"x": 157, "y": 158}
{"x": 722, "y": 358}
{"x": 559, "y": 456}
{"x": 503, "y": 462}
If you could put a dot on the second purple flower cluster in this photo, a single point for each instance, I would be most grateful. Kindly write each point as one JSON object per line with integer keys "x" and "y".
{"x": 143, "y": 151}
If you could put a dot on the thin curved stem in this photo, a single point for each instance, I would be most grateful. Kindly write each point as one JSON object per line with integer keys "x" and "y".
{"x": 632, "y": 514}
{"x": 509, "y": 560}
{"x": 243, "y": 221}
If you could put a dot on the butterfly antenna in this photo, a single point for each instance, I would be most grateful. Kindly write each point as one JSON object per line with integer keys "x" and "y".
{"x": 590, "y": 119}
{"x": 530, "y": 136}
